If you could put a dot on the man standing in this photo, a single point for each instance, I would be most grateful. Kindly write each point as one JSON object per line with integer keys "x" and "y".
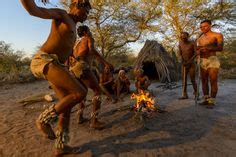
{"x": 84, "y": 54}
{"x": 186, "y": 49}
{"x": 47, "y": 64}
{"x": 207, "y": 45}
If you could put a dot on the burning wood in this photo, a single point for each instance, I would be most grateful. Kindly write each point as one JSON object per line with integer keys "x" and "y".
{"x": 144, "y": 103}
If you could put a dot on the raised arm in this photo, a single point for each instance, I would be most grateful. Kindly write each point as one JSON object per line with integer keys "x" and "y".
{"x": 44, "y": 13}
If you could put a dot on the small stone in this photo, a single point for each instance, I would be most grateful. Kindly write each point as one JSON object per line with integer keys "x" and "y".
{"x": 49, "y": 98}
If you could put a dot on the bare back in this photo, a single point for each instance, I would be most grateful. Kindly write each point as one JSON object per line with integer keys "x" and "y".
{"x": 186, "y": 50}
{"x": 82, "y": 50}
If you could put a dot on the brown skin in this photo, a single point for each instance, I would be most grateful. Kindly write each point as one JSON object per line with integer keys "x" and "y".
{"x": 122, "y": 84}
{"x": 142, "y": 82}
{"x": 86, "y": 51}
{"x": 208, "y": 44}
{"x": 107, "y": 82}
{"x": 60, "y": 42}
{"x": 187, "y": 50}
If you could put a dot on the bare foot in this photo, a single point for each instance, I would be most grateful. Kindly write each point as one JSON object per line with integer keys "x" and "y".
{"x": 66, "y": 150}
{"x": 46, "y": 130}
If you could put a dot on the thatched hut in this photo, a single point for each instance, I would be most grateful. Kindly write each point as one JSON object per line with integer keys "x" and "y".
{"x": 156, "y": 62}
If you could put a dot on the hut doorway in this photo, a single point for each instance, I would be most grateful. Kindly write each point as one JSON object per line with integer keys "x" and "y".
{"x": 150, "y": 70}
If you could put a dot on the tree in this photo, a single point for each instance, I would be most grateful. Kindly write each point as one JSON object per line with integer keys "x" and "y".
{"x": 114, "y": 24}
{"x": 14, "y": 67}
{"x": 10, "y": 60}
{"x": 181, "y": 16}
{"x": 228, "y": 56}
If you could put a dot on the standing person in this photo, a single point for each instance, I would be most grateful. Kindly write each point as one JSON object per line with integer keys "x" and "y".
{"x": 47, "y": 64}
{"x": 207, "y": 45}
{"x": 186, "y": 50}
{"x": 84, "y": 54}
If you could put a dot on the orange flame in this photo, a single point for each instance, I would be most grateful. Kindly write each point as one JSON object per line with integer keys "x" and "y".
{"x": 144, "y": 101}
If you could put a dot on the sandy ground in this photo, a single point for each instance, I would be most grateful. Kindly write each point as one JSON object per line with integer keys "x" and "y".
{"x": 183, "y": 130}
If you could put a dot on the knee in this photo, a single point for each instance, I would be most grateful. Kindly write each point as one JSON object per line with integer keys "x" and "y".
{"x": 78, "y": 96}
{"x": 214, "y": 85}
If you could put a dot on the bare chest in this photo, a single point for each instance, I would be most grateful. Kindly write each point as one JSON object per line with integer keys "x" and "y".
{"x": 141, "y": 79}
{"x": 186, "y": 47}
{"x": 206, "y": 40}
{"x": 67, "y": 34}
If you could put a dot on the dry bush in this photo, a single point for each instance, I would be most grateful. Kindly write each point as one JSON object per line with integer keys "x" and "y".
{"x": 14, "y": 68}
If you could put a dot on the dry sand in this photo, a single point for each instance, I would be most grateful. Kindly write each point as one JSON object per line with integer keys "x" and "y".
{"x": 179, "y": 132}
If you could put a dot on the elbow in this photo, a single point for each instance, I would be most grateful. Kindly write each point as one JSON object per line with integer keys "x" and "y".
{"x": 31, "y": 13}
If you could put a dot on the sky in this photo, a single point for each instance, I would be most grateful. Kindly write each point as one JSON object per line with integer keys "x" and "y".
{"x": 17, "y": 27}
{"x": 25, "y": 32}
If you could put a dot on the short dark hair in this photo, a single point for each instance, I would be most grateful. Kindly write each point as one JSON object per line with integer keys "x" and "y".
{"x": 80, "y": 3}
{"x": 185, "y": 33}
{"x": 82, "y": 30}
{"x": 207, "y": 21}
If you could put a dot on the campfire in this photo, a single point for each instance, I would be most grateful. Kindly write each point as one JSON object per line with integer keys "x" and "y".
{"x": 144, "y": 102}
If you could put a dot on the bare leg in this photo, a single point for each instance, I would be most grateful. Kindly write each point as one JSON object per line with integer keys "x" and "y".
{"x": 62, "y": 133}
{"x": 64, "y": 118}
{"x": 184, "y": 82}
{"x": 192, "y": 77}
{"x": 80, "y": 112}
{"x": 204, "y": 77}
{"x": 91, "y": 81}
{"x": 205, "y": 87}
{"x": 76, "y": 91}
{"x": 69, "y": 90}
{"x": 107, "y": 93}
{"x": 213, "y": 74}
